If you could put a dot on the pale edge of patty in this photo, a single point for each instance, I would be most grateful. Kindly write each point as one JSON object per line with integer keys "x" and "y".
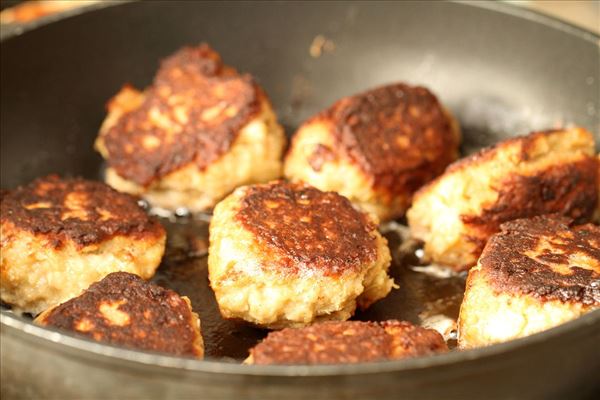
{"x": 36, "y": 276}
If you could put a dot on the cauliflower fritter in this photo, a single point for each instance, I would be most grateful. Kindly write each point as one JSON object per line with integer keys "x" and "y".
{"x": 58, "y": 236}
{"x": 201, "y": 130}
{"x": 541, "y": 173}
{"x": 535, "y": 274}
{"x": 376, "y": 148}
{"x": 124, "y": 310}
{"x": 286, "y": 254}
{"x": 347, "y": 342}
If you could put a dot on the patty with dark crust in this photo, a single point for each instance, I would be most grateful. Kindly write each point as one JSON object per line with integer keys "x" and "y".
{"x": 541, "y": 173}
{"x": 376, "y": 148}
{"x": 347, "y": 342}
{"x": 124, "y": 310}
{"x": 58, "y": 236}
{"x": 196, "y": 133}
{"x": 535, "y": 274}
{"x": 284, "y": 254}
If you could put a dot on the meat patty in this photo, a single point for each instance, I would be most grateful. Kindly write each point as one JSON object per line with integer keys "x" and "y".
{"x": 124, "y": 310}
{"x": 336, "y": 342}
{"x": 535, "y": 274}
{"x": 285, "y": 254}
{"x": 199, "y": 131}
{"x": 541, "y": 173}
{"x": 376, "y": 148}
{"x": 58, "y": 236}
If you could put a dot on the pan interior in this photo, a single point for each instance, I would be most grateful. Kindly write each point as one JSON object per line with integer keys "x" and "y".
{"x": 500, "y": 74}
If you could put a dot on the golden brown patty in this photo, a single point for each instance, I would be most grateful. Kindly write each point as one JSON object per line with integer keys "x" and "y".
{"x": 535, "y": 274}
{"x": 192, "y": 113}
{"x": 58, "y": 236}
{"x": 311, "y": 229}
{"x": 285, "y": 254}
{"x": 397, "y": 136}
{"x": 82, "y": 211}
{"x": 347, "y": 342}
{"x": 198, "y": 132}
{"x": 541, "y": 173}
{"x": 124, "y": 310}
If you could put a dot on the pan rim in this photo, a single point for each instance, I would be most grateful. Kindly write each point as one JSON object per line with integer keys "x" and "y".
{"x": 83, "y": 347}
{"x": 504, "y": 8}
{"x": 87, "y": 348}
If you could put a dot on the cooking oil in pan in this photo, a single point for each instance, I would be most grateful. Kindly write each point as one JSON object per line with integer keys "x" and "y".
{"x": 429, "y": 296}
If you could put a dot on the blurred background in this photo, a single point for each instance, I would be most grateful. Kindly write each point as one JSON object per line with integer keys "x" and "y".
{"x": 583, "y": 13}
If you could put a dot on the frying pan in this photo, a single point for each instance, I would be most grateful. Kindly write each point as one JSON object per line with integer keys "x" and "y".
{"x": 503, "y": 71}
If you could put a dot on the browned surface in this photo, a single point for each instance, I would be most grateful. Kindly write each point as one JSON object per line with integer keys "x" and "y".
{"x": 347, "y": 342}
{"x": 312, "y": 229}
{"x": 398, "y": 134}
{"x": 125, "y": 310}
{"x": 527, "y": 143}
{"x": 566, "y": 189}
{"x": 85, "y": 212}
{"x": 192, "y": 113}
{"x": 509, "y": 264}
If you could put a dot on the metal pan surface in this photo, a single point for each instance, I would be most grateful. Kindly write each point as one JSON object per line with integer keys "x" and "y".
{"x": 502, "y": 70}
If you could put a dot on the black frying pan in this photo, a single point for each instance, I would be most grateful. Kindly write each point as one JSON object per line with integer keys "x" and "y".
{"x": 503, "y": 71}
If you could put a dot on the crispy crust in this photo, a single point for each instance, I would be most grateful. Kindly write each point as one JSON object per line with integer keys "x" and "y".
{"x": 82, "y": 211}
{"x": 545, "y": 258}
{"x": 545, "y": 172}
{"x": 346, "y": 342}
{"x": 566, "y": 189}
{"x": 125, "y": 310}
{"x": 399, "y": 135}
{"x": 192, "y": 113}
{"x": 313, "y": 230}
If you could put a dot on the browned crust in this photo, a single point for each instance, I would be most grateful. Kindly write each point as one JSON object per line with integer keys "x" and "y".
{"x": 527, "y": 142}
{"x": 347, "y": 342}
{"x": 399, "y": 135}
{"x": 75, "y": 209}
{"x": 152, "y": 318}
{"x": 506, "y": 265}
{"x": 313, "y": 230}
{"x": 206, "y": 104}
{"x": 568, "y": 189}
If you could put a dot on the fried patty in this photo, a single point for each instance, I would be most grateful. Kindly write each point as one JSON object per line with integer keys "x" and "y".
{"x": 284, "y": 254}
{"x": 376, "y": 148}
{"x": 535, "y": 274}
{"x": 124, "y": 310}
{"x": 60, "y": 235}
{"x": 199, "y": 131}
{"x": 541, "y": 173}
{"x": 347, "y": 342}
